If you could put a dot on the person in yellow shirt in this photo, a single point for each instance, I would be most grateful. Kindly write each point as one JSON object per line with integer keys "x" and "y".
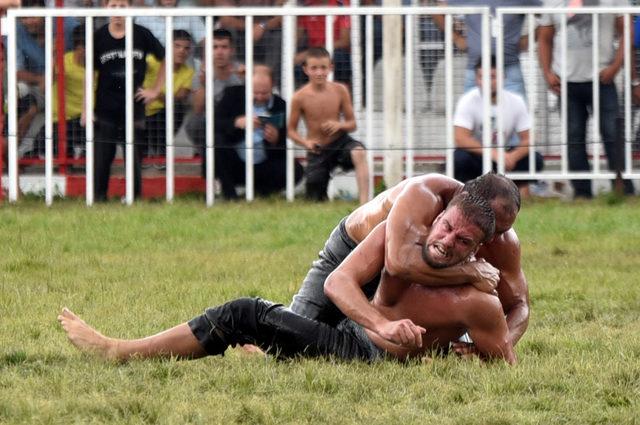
{"x": 73, "y": 96}
{"x": 182, "y": 80}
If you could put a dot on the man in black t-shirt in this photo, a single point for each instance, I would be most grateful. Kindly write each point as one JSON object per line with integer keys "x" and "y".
{"x": 110, "y": 104}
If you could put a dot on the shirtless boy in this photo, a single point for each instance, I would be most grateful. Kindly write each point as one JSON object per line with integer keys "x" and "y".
{"x": 393, "y": 325}
{"x": 327, "y": 111}
{"x": 410, "y": 208}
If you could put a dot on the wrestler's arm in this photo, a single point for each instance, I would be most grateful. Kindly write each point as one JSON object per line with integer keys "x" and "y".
{"x": 343, "y": 288}
{"x": 488, "y": 329}
{"x": 413, "y": 211}
{"x": 513, "y": 290}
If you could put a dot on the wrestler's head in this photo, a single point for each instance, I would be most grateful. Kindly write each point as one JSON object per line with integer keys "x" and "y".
{"x": 456, "y": 234}
{"x": 503, "y": 196}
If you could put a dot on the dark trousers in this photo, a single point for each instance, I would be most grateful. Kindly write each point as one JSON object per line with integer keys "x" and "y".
{"x": 579, "y": 98}
{"x": 468, "y": 166}
{"x": 277, "y": 330}
{"x": 156, "y": 129}
{"x": 107, "y": 137}
{"x": 270, "y": 176}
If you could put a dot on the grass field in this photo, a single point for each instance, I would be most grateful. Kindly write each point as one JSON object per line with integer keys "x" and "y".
{"x": 134, "y": 271}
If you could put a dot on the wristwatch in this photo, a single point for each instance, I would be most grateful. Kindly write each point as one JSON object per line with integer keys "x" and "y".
{"x": 263, "y": 25}
{"x": 635, "y": 82}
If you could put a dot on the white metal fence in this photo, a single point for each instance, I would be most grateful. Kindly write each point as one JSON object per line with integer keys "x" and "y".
{"x": 427, "y": 126}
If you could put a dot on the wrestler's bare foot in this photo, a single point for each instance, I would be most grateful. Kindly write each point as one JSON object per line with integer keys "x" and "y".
{"x": 251, "y": 349}
{"x": 85, "y": 338}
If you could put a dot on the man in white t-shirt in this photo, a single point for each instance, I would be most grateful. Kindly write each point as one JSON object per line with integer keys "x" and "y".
{"x": 468, "y": 121}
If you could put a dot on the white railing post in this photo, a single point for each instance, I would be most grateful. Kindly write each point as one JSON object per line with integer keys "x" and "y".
{"x": 448, "y": 94}
{"x": 500, "y": 95}
{"x": 209, "y": 112}
{"x": 12, "y": 97}
{"x": 88, "y": 108}
{"x": 248, "y": 139}
{"x": 48, "y": 111}
{"x": 369, "y": 95}
{"x": 595, "y": 87}
{"x": 486, "y": 95}
{"x": 288, "y": 86}
{"x": 408, "y": 93}
{"x": 129, "y": 119}
{"x": 169, "y": 157}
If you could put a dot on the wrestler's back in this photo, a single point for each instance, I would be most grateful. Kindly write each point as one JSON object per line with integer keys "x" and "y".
{"x": 362, "y": 221}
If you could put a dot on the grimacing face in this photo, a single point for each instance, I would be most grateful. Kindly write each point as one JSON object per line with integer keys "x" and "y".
{"x": 451, "y": 240}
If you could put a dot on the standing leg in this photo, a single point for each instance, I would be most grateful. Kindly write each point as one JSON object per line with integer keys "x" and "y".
{"x": 578, "y": 98}
{"x": 611, "y": 132}
{"x": 104, "y": 152}
{"x": 359, "y": 160}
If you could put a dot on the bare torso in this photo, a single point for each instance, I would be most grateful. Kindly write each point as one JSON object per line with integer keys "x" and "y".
{"x": 440, "y": 310}
{"x": 320, "y": 106}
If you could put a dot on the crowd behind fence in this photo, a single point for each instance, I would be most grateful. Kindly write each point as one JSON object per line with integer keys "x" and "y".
{"x": 432, "y": 83}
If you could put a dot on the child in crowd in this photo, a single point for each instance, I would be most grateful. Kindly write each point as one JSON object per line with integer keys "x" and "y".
{"x": 182, "y": 82}
{"x": 327, "y": 111}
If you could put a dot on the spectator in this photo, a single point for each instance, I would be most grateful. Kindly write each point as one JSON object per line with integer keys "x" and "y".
{"x": 74, "y": 62}
{"x": 311, "y": 33}
{"x": 30, "y": 58}
{"x": 468, "y": 120}
{"x": 226, "y": 72}
{"x": 579, "y": 38}
{"x": 110, "y": 106}
{"x": 327, "y": 111}
{"x": 182, "y": 80}
{"x": 267, "y": 33}
{"x": 156, "y": 24}
{"x": 269, "y": 137}
{"x": 512, "y": 24}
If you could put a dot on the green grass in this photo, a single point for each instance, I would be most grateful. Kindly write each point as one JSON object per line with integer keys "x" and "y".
{"x": 134, "y": 271}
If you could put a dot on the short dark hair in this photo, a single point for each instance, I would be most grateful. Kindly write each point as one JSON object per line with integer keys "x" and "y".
{"x": 492, "y": 186}
{"x": 493, "y": 63}
{"x": 77, "y": 36}
{"x": 477, "y": 211}
{"x": 316, "y": 52}
{"x": 223, "y": 34}
{"x": 182, "y": 35}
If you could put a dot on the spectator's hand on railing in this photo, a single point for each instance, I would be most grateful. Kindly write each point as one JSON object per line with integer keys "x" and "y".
{"x": 147, "y": 95}
{"x": 608, "y": 74}
{"x": 553, "y": 81}
{"x": 271, "y": 134}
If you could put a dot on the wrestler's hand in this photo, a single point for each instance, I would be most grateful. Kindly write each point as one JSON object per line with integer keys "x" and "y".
{"x": 486, "y": 277}
{"x": 465, "y": 350}
{"x": 402, "y": 332}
